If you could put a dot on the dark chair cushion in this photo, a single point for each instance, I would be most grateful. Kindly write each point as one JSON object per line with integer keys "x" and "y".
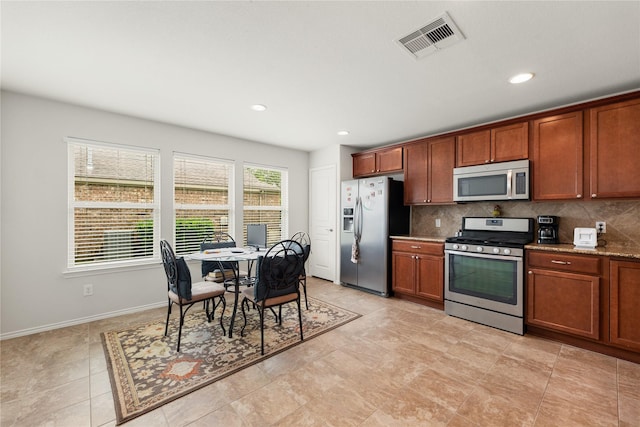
{"x": 277, "y": 276}
{"x": 184, "y": 279}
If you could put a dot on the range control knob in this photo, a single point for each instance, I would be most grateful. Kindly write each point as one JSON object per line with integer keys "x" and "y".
{"x": 496, "y": 250}
{"x": 464, "y": 247}
{"x": 507, "y": 251}
{"x": 455, "y": 246}
{"x": 479, "y": 249}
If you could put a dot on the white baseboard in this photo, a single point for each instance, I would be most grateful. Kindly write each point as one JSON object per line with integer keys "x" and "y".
{"x": 80, "y": 321}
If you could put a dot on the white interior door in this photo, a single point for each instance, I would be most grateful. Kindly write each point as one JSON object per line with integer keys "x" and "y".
{"x": 322, "y": 222}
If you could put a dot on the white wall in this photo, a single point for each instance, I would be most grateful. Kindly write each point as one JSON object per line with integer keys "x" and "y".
{"x": 340, "y": 157}
{"x": 35, "y": 293}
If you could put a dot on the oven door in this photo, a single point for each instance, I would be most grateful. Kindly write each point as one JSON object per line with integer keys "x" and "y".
{"x": 492, "y": 282}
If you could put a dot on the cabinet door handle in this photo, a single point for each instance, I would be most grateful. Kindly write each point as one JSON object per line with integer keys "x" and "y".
{"x": 594, "y": 195}
{"x": 530, "y": 272}
{"x": 578, "y": 196}
{"x": 560, "y": 262}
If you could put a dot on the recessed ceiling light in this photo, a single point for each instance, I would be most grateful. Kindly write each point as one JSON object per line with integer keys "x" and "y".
{"x": 258, "y": 107}
{"x": 521, "y": 78}
{"x": 343, "y": 132}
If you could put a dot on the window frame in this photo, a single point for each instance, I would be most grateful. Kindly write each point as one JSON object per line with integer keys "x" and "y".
{"x": 230, "y": 207}
{"x": 155, "y": 206}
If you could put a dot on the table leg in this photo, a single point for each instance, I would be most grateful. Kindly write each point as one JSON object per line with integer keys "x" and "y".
{"x": 235, "y": 303}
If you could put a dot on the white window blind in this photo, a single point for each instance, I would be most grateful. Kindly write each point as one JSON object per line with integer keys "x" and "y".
{"x": 266, "y": 201}
{"x": 203, "y": 199}
{"x": 113, "y": 204}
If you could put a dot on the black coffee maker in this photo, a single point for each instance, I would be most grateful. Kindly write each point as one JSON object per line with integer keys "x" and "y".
{"x": 548, "y": 229}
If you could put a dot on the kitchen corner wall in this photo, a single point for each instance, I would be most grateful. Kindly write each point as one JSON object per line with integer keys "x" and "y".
{"x": 622, "y": 217}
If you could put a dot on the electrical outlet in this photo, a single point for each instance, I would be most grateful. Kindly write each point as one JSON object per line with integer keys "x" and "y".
{"x": 87, "y": 290}
{"x": 438, "y": 222}
{"x": 601, "y": 226}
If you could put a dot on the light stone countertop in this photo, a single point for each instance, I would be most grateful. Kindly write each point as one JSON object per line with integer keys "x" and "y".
{"x": 421, "y": 238}
{"x": 609, "y": 250}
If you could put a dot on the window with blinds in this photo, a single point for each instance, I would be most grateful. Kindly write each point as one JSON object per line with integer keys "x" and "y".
{"x": 265, "y": 196}
{"x": 203, "y": 199}
{"x": 114, "y": 204}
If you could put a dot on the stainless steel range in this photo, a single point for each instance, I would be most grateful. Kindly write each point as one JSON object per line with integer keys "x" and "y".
{"x": 484, "y": 271}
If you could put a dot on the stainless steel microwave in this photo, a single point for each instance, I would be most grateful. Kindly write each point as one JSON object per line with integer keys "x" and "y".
{"x": 493, "y": 181}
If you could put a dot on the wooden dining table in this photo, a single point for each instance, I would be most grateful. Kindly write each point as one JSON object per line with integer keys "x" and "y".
{"x": 233, "y": 256}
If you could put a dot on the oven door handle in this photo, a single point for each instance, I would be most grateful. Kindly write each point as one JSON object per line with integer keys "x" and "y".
{"x": 484, "y": 255}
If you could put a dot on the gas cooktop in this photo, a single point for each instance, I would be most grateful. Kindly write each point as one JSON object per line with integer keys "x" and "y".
{"x": 509, "y": 242}
{"x": 502, "y": 232}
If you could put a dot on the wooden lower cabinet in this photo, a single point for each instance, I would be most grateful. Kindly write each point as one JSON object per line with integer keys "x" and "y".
{"x": 588, "y": 301}
{"x": 625, "y": 304}
{"x": 563, "y": 293}
{"x": 565, "y": 302}
{"x": 418, "y": 271}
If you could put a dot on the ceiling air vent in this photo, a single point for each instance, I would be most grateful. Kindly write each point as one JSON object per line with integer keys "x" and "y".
{"x": 437, "y": 34}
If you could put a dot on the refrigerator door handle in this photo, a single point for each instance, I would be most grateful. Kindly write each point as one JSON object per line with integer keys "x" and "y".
{"x": 357, "y": 226}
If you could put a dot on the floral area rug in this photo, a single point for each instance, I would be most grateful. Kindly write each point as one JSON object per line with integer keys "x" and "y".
{"x": 146, "y": 371}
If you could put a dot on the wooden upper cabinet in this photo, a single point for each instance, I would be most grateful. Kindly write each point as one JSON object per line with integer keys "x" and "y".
{"x": 415, "y": 173}
{"x": 510, "y": 142}
{"x": 557, "y": 164}
{"x": 364, "y": 164}
{"x": 614, "y": 141}
{"x": 428, "y": 171}
{"x": 499, "y": 144}
{"x": 382, "y": 161}
{"x": 473, "y": 148}
{"x": 441, "y": 161}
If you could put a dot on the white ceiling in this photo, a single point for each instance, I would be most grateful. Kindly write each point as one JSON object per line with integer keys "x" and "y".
{"x": 319, "y": 66}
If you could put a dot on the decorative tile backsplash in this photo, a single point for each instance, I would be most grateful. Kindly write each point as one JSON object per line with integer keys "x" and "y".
{"x": 622, "y": 217}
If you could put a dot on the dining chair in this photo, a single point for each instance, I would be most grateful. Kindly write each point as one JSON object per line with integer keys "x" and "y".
{"x": 185, "y": 294}
{"x": 217, "y": 271}
{"x": 277, "y": 283}
{"x": 305, "y": 241}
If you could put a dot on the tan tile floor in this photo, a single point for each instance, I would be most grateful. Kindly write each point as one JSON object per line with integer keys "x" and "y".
{"x": 400, "y": 364}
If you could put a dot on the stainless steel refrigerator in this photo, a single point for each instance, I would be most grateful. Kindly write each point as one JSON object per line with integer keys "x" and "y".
{"x": 371, "y": 210}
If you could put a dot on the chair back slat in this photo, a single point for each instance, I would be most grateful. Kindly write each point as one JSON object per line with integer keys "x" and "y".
{"x": 305, "y": 241}
{"x": 177, "y": 271}
{"x": 169, "y": 262}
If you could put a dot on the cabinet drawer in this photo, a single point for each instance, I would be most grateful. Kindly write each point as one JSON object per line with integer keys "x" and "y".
{"x": 417, "y": 247}
{"x": 565, "y": 262}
